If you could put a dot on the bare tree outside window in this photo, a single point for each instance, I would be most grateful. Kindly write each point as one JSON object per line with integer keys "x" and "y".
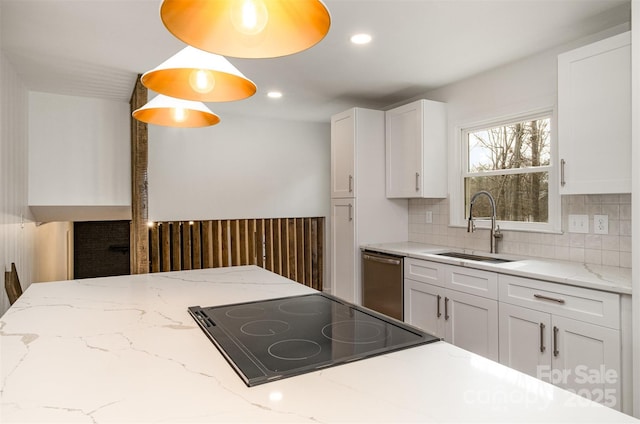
{"x": 512, "y": 162}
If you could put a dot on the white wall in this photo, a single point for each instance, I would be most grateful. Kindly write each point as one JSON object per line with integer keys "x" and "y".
{"x": 240, "y": 168}
{"x": 635, "y": 159}
{"x": 79, "y": 155}
{"x": 16, "y": 226}
{"x": 516, "y": 88}
{"x": 53, "y": 251}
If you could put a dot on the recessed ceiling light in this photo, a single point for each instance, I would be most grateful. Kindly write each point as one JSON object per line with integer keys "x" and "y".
{"x": 274, "y": 94}
{"x": 360, "y": 38}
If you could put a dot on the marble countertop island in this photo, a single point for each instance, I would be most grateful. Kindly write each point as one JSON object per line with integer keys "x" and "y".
{"x": 124, "y": 349}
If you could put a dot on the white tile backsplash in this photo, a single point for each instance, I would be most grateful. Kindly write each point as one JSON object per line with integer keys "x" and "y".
{"x": 613, "y": 249}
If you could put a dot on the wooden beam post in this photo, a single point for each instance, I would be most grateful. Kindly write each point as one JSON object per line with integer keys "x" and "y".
{"x": 139, "y": 192}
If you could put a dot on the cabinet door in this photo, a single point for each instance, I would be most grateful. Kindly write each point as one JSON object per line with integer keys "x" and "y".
{"x": 471, "y": 322}
{"x": 343, "y": 250}
{"x": 343, "y": 157}
{"x": 404, "y": 151}
{"x": 423, "y": 305}
{"x": 586, "y": 360}
{"x": 525, "y": 340}
{"x": 594, "y": 117}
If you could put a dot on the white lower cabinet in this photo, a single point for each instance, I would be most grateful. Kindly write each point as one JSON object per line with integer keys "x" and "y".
{"x": 423, "y": 307}
{"x": 472, "y": 323}
{"x": 567, "y": 336}
{"x": 580, "y": 356}
{"x": 462, "y": 319}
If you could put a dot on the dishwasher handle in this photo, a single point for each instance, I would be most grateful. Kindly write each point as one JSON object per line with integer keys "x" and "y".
{"x": 382, "y": 260}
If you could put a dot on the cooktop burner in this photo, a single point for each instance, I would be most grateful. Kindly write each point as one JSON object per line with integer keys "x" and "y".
{"x": 277, "y": 338}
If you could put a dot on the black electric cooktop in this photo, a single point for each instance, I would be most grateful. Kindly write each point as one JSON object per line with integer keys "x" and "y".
{"x": 273, "y": 339}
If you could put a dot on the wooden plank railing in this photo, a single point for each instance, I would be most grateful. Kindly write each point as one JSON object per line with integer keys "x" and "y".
{"x": 291, "y": 247}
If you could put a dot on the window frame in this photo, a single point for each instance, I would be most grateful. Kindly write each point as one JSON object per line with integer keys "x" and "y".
{"x": 458, "y": 213}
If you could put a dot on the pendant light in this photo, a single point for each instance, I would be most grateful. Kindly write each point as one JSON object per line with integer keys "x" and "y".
{"x": 172, "y": 112}
{"x": 247, "y": 28}
{"x": 193, "y": 74}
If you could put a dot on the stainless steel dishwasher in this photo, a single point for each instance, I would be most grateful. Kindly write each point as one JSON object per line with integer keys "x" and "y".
{"x": 382, "y": 283}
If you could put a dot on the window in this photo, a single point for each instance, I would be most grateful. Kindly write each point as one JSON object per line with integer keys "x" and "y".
{"x": 513, "y": 161}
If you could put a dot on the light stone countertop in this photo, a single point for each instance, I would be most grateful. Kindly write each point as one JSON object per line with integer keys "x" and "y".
{"x": 125, "y": 349}
{"x": 605, "y": 278}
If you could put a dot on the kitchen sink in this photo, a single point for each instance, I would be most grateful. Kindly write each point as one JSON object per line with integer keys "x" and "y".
{"x": 472, "y": 257}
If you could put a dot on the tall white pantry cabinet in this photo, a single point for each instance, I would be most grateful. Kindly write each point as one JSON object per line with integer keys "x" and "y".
{"x": 360, "y": 211}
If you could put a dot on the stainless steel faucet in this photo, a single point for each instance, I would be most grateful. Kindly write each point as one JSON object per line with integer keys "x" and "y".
{"x": 495, "y": 229}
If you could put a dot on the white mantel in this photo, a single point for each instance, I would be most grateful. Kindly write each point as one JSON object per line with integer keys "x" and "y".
{"x": 124, "y": 349}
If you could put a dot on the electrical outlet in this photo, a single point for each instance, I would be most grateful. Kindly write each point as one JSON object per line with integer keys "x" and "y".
{"x": 601, "y": 224}
{"x": 579, "y": 224}
{"x": 428, "y": 217}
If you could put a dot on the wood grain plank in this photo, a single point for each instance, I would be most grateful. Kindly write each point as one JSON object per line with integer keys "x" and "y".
{"x": 165, "y": 235}
{"x": 235, "y": 241}
{"x": 226, "y": 240}
{"x": 216, "y": 240}
{"x": 186, "y": 244}
{"x": 269, "y": 247}
{"x": 243, "y": 241}
{"x": 154, "y": 247}
{"x": 139, "y": 240}
{"x": 251, "y": 242}
{"x": 258, "y": 239}
{"x": 307, "y": 253}
{"x": 176, "y": 256}
{"x": 196, "y": 239}
{"x": 277, "y": 252}
{"x": 291, "y": 249}
{"x": 207, "y": 245}
{"x": 300, "y": 269}
{"x": 314, "y": 254}
{"x": 320, "y": 250}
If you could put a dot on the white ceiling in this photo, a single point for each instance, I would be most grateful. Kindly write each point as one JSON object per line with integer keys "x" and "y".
{"x": 96, "y": 48}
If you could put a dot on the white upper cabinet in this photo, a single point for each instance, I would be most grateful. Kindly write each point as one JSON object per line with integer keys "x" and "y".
{"x": 416, "y": 150}
{"x": 594, "y": 117}
{"x": 343, "y": 154}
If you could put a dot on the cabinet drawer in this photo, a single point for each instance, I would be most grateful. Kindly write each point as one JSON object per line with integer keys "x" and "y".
{"x": 424, "y": 271}
{"x": 472, "y": 281}
{"x": 587, "y": 305}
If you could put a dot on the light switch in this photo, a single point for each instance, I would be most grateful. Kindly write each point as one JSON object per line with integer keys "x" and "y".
{"x": 579, "y": 224}
{"x": 601, "y": 224}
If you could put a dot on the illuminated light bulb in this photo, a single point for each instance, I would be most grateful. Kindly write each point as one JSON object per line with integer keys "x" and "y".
{"x": 361, "y": 39}
{"x": 179, "y": 114}
{"x": 202, "y": 81}
{"x": 249, "y": 16}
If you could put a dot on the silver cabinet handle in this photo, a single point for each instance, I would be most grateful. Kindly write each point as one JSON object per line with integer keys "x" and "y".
{"x": 438, "y": 314}
{"x": 350, "y": 212}
{"x": 417, "y": 181}
{"x": 556, "y": 352}
{"x": 552, "y": 299}
{"x": 446, "y": 308}
{"x": 542, "y": 348}
{"x": 350, "y": 183}
{"x": 562, "y": 181}
{"x": 388, "y": 261}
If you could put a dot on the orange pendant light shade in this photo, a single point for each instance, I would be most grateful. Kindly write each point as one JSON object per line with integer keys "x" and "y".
{"x": 193, "y": 74}
{"x": 171, "y": 112}
{"x": 247, "y": 28}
